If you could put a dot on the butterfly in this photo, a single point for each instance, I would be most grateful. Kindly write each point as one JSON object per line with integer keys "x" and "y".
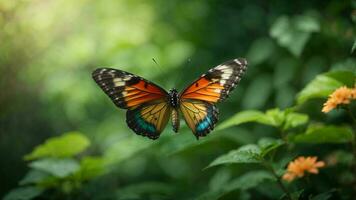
{"x": 149, "y": 107}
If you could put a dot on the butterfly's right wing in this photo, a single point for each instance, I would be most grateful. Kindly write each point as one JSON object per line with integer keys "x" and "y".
{"x": 200, "y": 116}
{"x": 197, "y": 101}
{"x": 215, "y": 85}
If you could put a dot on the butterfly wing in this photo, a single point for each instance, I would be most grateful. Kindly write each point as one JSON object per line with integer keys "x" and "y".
{"x": 127, "y": 90}
{"x": 217, "y": 83}
{"x": 197, "y": 101}
{"x": 200, "y": 116}
{"x": 149, "y": 119}
{"x": 148, "y": 110}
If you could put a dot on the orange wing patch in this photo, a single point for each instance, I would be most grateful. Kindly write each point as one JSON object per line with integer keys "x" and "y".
{"x": 127, "y": 90}
{"x": 205, "y": 90}
{"x": 140, "y": 93}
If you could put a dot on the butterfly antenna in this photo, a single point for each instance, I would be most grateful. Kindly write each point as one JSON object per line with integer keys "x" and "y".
{"x": 159, "y": 66}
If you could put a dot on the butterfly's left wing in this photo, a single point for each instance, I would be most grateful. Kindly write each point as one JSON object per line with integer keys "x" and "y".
{"x": 146, "y": 103}
{"x": 149, "y": 119}
{"x": 197, "y": 101}
{"x": 127, "y": 90}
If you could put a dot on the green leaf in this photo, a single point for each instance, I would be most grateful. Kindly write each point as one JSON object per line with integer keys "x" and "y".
{"x": 268, "y": 144}
{"x": 294, "y": 33}
{"x": 245, "y": 154}
{"x": 242, "y": 117}
{"x": 324, "y": 84}
{"x": 272, "y": 117}
{"x": 275, "y": 117}
{"x": 24, "y": 193}
{"x": 348, "y": 78}
{"x": 91, "y": 167}
{"x": 66, "y": 145}
{"x": 57, "y": 167}
{"x": 250, "y": 180}
{"x": 294, "y": 120}
{"x": 34, "y": 176}
{"x": 320, "y": 87}
{"x": 325, "y": 134}
{"x": 307, "y": 23}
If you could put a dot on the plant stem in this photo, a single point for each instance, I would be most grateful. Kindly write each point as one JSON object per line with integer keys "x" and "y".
{"x": 283, "y": 135}
{"x": 285, "y": 190}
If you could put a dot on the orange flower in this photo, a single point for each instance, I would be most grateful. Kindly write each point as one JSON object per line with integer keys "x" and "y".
{"x": 342, "y": 95}
{"x": 299, "y": 166}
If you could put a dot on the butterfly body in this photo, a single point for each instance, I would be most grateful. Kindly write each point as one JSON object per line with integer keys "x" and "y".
{"x": 149, "y": 106}
{"x": 175, "y": 120}
{"x": 174, "y": 102}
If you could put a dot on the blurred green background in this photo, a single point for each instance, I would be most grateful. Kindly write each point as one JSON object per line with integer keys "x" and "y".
{"x": 48, "y": 50}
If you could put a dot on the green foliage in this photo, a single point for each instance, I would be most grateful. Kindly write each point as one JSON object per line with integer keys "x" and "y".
{"x": 244, "y": 182}
{"x": 57, "y": 167}
{"x": 268, "y": 144}
{"x": 325, "y": 134}
{"x": 294, "y": 33}
{"x": 325, "y": 84}
{"x": 91, "y": 167}
{"x": 34, "y": 176}
{"x": 243, "y": 117}
{"x": 23, "y": 193}
{"x": 249, "y": 153}
{"x": 67, "y": 145}
{"x": 54, "y": 165}
{"x": 250, "y": 180}
{"x": 281, "y": 119}
{"x": 245, "y": 154}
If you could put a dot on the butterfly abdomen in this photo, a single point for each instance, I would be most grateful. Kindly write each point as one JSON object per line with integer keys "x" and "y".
{"x": 175, "y": 120}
